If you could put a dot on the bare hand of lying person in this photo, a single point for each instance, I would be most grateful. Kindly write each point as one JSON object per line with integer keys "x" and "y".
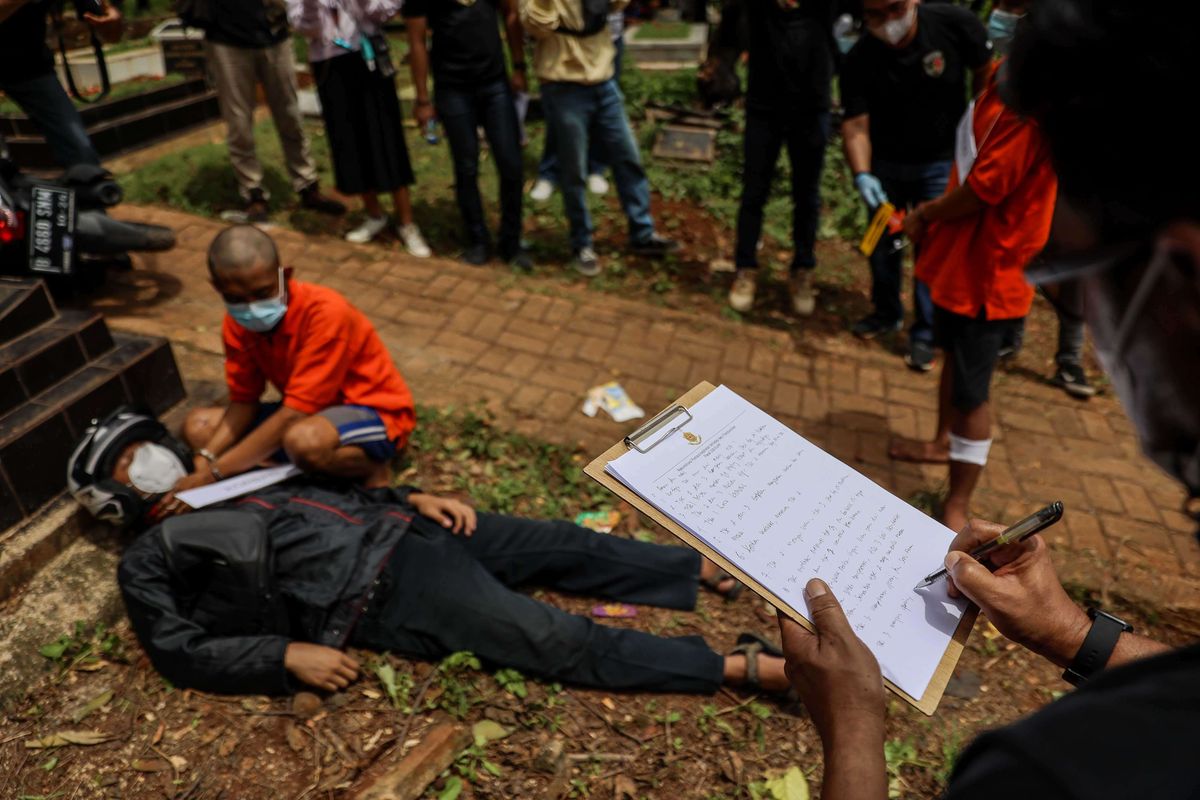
{"x": 320, "y": 666}
{"x": 453, "y": 514}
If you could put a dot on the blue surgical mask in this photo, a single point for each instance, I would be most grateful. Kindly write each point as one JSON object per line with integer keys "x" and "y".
{"x": 261, "y": 315}
{"x": 1002, "y": 26}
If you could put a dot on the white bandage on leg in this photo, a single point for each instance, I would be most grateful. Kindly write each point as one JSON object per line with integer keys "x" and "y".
{"x": 969, "y": 451}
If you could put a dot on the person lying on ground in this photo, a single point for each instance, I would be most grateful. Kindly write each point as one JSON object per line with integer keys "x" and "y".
{"x": 345, "y": 411}
{"x": 262, "y": 595}
{"x": 1126, "y": 239}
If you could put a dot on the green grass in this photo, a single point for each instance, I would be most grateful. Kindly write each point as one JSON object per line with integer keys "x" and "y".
{"x": 662, "y": 31}
{"x": 462, "y": 450}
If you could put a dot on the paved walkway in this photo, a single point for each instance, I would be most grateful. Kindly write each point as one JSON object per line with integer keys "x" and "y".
{"x": 531, "y": 348}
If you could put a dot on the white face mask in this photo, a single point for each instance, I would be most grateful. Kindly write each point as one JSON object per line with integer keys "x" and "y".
{"x": 155, "y": 469}
{"x": 894, "y": 30}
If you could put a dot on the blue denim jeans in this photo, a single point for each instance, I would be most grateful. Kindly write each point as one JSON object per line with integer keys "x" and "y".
{"x": 579, "y": 114}
{"x": 44, "y": 101}
{"x": 764, "y": 137}
{"x": 906, "y": 186}
{"x": 548, "y": 166}
{"x": 461, "y": 113}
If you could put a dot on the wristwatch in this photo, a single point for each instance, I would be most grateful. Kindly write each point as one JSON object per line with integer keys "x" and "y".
{"x": 208, "y": 456}
{"x": 1097, "y": 647}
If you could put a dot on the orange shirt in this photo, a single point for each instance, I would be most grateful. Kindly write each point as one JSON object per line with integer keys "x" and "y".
{"x": 324, "y": 353}
{"x": 979, "y": 261}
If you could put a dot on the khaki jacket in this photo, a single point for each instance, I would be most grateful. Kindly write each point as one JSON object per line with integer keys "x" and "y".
{"x": 559, "y": 57}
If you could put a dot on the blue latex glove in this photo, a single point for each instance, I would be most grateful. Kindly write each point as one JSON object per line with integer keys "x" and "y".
{"x": 871, "y": 190}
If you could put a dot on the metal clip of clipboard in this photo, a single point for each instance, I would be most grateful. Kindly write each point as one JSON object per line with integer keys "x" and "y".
{"x": 657, "y": 423}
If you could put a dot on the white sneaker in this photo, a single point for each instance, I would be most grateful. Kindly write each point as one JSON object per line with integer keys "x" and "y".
{"x": 741, "y": 294}
{"x": 414, "y": 242}
{"x": 368, "y": 230}
{"x": 541, "y": 191}
{"x": 804, "y": 294}
{"x": 597, "y": 184}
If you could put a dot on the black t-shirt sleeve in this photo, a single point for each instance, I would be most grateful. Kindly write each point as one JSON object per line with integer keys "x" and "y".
{"x": 973, "y": 38}
{"x": 415, "y": 8}
{"x": 853, "y": 82}
{"x": 994, "y": 773}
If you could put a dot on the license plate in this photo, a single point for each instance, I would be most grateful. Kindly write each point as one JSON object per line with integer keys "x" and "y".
{"x": 51, "y": 229}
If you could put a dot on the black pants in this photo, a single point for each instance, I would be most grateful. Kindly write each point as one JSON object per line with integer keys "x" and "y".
{"x": 765, "y": 136}
{"x": 447, "y": 593}
{"x": 972, "y": 347}
{"x": 462, "y": 111}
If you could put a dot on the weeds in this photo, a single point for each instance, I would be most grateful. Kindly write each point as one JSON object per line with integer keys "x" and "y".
{"x": 84, "y": 649}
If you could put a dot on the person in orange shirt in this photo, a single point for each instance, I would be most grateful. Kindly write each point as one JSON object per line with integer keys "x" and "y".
{"x": 345, "y": 408}
{"x": 976, "y": 241}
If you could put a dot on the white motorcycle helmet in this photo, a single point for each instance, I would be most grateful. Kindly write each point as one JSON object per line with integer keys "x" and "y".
{"x": 90, "y": 467}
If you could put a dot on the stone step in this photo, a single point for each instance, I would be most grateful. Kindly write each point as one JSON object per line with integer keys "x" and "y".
{"x": 37, "y": 437}
{"x": 24, "y": 305}
{"x": 46, "y": 355}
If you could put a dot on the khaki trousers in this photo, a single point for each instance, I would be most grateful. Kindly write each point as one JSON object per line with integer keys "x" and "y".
{"x": 237, "y": 72}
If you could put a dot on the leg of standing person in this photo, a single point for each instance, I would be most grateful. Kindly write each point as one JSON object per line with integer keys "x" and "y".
{"x": 276, "y": 71}
{"x": 44, "y": 101}
{"x": 234, "y": 73}
{"x": 806, "y": 152}
{"x": 503, "y": 133}
{"x": 611, "y": 127}
{"x": 597, "y": 158}
{"x": 887, "y": 265}
{"x": 1069, "y": 373}
{"x": 570, "y": 109}
{"x": 972, "y": 349}
{"x": 547, "y": 171}
{"x": 458, "y": 111}
{"x": 929, "y": 183}
{"x": 761, "y": 142}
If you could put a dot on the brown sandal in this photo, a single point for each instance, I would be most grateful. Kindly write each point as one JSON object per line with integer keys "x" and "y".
{"x": 713, "y": 584}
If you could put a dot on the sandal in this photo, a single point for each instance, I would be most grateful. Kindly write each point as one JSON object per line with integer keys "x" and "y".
{"x": 751, "y": 646}
{"x": 713, "y": 584}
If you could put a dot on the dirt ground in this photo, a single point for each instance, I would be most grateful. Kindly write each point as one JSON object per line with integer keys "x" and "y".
{"x": 150, "y": 740}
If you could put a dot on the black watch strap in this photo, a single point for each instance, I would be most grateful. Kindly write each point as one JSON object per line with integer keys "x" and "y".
{"x": 1097, "y": 647}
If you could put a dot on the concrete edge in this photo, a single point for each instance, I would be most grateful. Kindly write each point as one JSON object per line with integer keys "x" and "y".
{"x": 37, "y": 542}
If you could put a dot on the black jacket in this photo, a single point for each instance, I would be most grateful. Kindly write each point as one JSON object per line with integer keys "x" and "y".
{"x": 216, "y": 596}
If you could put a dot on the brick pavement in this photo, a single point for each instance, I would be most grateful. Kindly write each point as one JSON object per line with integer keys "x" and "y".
{"x": 531, "y": 347}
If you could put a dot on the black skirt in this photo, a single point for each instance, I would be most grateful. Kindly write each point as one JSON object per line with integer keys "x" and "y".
{"x": 364, "y": 126}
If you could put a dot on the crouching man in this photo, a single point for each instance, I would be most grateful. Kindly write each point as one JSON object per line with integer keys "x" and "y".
{"x": 263, "y": 593}
{"x": 345, "y": 408}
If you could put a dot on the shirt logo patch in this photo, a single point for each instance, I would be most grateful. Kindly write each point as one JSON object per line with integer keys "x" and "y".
{"x": 935, "y": 64}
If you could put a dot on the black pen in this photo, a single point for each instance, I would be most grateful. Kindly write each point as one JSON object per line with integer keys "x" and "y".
{"x": 1034, "y": 523}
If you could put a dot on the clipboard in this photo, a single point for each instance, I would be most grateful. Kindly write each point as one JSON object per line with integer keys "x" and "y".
{"x": 673, "y": 418}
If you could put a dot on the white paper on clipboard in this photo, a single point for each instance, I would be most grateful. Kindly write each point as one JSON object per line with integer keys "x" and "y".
{"x": 784, "y": 511}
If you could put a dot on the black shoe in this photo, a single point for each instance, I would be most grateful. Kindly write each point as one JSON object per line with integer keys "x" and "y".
{"x": 256, "y": 207}
{"x": 520, "y": 260}
{"x": 476, "y": 255}
{"x": 871, "y": 326}
{"x": 654, "y": 246}
{"x": 919, "y": 356}
{"x": 1073, "y": 380}
{"x": 312, "y": 199}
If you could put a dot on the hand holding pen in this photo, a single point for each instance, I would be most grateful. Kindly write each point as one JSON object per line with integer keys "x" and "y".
{"x": 1018, "y": 590}
{"x": 1015, "y": 534}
